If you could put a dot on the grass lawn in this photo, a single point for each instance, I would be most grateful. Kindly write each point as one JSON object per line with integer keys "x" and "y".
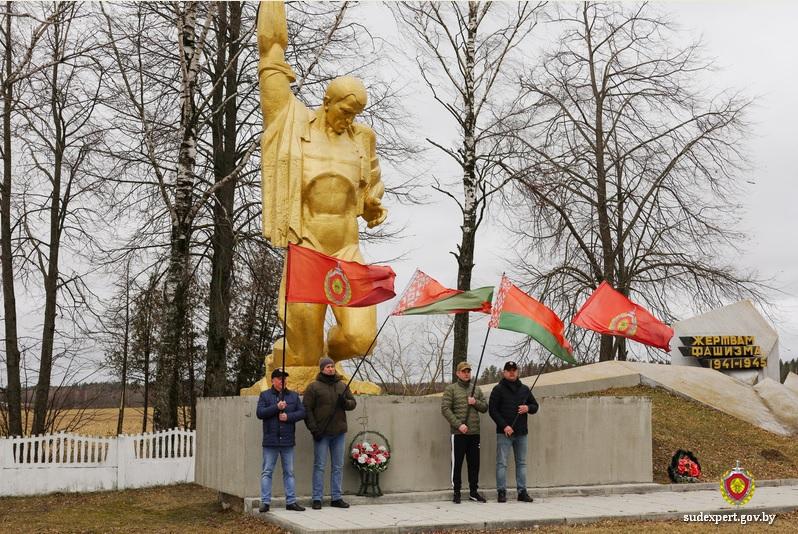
{"x": 186, "y": 508}
{"x": 717, "y": 439}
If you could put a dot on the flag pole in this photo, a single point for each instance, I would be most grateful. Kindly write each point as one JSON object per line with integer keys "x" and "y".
{"x": 512, "y": 425}
{"x": 365, "y": 354}
{"x": 540, "y": 372}
{"x": 479, "y": 365}
{"x": 363, "y": 358}
{"x": 285, "y": 309}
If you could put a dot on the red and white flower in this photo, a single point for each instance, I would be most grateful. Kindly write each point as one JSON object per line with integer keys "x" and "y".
{"x": 370, "y": 456}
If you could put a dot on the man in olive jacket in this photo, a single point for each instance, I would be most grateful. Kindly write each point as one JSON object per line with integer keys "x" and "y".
{"x": 326, "y": 401}
{"x": 462, "y": 411}
{"x": 510, "y": 402}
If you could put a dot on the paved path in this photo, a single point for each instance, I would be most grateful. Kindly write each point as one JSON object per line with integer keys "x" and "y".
{"x": 425, "y": 516}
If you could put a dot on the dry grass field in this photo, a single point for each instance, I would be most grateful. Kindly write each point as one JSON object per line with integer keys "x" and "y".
{"x": 102, "y": 421}
{"x": 717, "y": 439}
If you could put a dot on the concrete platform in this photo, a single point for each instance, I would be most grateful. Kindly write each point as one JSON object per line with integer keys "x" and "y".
{"x": 651, "y": 502}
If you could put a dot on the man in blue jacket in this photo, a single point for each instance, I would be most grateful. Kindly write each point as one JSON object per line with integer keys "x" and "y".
{"x": 279, "y": 409}
{"x": 510, "y": 402}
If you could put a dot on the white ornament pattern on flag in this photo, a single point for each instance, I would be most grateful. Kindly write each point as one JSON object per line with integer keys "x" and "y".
{"x": 412, "y": 293}
{"x": 504, "y": 288}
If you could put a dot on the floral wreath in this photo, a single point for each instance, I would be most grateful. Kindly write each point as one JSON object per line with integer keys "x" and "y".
{"x": 684, "y": 467}
{"x": 370, "y": 455}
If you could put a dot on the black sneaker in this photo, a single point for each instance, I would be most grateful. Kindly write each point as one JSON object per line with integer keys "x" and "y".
{"x": 295, "y": 507}
{"x": 524, "y": 497}
{"x": 316, "y": 505}
{"x": 456, "y": 497}
{"x": 263, "y": 508}
{"x": 502, "y": 495}
{"x": 476, "y": 496}
{"x": 339, "y": 503}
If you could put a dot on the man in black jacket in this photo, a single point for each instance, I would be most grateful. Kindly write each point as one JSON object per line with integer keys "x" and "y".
{"x": 510, "y": 402}
{"x": 326, "y": 401}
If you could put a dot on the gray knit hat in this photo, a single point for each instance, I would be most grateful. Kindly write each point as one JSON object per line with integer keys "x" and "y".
{"x": 324, "y": 362}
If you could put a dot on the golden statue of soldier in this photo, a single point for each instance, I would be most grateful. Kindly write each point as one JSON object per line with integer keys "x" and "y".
{"x": 320, "y": 172}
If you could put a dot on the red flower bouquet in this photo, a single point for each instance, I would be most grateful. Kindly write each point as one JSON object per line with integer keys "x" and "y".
{"x": 370, "y": 456}
{"x": 684, "y": 467}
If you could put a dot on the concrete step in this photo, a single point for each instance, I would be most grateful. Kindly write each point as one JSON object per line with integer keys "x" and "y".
{"x": 698, "y": 503}
{"x": 251, "y": 504}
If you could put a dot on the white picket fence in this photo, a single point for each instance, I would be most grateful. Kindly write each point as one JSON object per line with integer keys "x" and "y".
{"x": 72, "y": 463}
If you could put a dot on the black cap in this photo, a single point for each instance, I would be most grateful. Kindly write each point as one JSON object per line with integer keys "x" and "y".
{"x": 510, "y": 365}
{"x": 278, "y": 373}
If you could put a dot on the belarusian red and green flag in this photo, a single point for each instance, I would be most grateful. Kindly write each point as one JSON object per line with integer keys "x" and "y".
{"x": 515, "y": 310}
{"x": 425, "y": 296}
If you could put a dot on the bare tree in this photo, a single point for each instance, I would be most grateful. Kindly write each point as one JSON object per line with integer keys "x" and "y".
{"x": 463, "y": 50}
{"x": 626, "y": 167}
{"x": 412, "y": 359}
{"x": 254, "y": 309}
{"x": 181, "y": 197}
{"x": 224, "y": 137}
{"x": 133, "y": 317}
{"x": 17, "y": 66}
{"x": 63, "y": 195}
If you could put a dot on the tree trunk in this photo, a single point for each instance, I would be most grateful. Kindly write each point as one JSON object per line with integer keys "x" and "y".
{"x": 191, "y": 423}
{"x": 42, "y": 395}
{"x": 125, "y": 344}
{"x": 247, "y": 353}
{"x": 147, "y": 350}
{"x": 602, "y": 207}
{"x": 178, "y": 273}
{"x": 224, "y": 134}
{"x": 13, "y": 387}
{"x": 175, "y": 297}
{"x": 465, "y": 252}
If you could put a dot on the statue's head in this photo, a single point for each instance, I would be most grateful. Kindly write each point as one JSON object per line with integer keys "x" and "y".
{"x": 344, "y": 100}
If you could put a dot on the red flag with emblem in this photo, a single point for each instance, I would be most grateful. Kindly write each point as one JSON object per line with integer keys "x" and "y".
{"x": 609, "y": 312}
{"x": 316, "y": 278}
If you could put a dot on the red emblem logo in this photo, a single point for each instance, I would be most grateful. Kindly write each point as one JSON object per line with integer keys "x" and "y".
{"x": 624, "y": 323}
{"x": 336, "y": 287}
{"x": 737, "y": 486}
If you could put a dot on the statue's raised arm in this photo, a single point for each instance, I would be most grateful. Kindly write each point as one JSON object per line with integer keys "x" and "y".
{"x": 320, "y": 173}
{"x": 274, "y": 74}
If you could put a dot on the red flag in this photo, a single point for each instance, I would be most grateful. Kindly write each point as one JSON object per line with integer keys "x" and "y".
{"x": 314, "y": 277}
{"x": 609, "y": 312}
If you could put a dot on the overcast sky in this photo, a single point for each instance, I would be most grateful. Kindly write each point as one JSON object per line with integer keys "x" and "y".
{"x": 755, "y": 47}
{"x": 755, "y": 50}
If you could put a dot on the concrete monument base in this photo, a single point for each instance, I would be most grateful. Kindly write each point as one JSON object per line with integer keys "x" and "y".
{"x": 572, "y": 441}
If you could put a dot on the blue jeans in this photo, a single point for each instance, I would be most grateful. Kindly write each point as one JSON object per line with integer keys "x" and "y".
{"x": 503, "y": 445}
{"x": 269, "y": 460}
{"x": 335, "y": 444}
